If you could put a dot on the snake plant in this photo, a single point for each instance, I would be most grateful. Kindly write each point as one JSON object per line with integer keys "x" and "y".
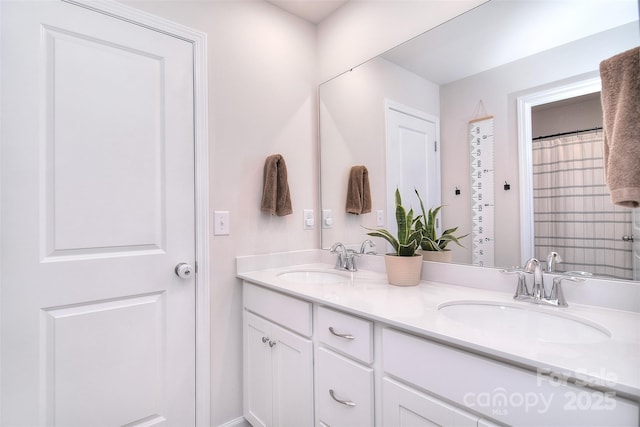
{"x": 408, "y": 239}
{"x": 430, "y": 241}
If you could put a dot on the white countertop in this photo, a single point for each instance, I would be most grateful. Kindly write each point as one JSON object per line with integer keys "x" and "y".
{"x": 612, "y": 363}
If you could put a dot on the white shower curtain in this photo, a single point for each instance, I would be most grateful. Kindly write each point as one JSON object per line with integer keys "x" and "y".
{"x": 573, "y": 212}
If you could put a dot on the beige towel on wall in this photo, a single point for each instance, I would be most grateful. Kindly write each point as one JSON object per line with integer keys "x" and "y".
{"x": 358, "y": 191}
{"x": 620, "y": 76}
{"x": 276, "y": 199}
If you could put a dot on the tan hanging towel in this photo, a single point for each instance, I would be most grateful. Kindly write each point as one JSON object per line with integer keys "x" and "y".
{"x": 620, "y": 76}
{"x": 358, "y": 192}
{"x": 275, "y": 192}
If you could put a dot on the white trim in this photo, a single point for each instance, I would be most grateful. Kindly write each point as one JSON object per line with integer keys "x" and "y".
{"x": 203, "y": 305}
{"x": 237, "y": 422}
{"x": 525, "y": 103}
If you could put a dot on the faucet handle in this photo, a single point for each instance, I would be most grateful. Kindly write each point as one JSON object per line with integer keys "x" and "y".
{"x": 552, "y": 259}
{"x": 363, "y": 246}
{"x": 337, "y": 246}
{"x": 521, "y": 290}
{"x": 556, "y": 290}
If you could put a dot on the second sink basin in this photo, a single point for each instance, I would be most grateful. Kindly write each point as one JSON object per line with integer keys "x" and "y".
{"x": 315, "y": 276}
{"x": 526, "y": 322}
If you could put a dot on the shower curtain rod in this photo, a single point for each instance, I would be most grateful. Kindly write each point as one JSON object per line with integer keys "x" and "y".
{"x": 567, "y": 133}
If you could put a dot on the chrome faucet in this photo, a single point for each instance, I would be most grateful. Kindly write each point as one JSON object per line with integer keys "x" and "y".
{"x": 537, "y": 290}
{"x": 538, "y": 294}
{"x": 552, "y": 259}
{"x": 346, "y": 259}
{"x": 363, "y": 246}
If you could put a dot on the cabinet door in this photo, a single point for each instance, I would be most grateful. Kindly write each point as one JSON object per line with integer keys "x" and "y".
{"x": 257, "y": 364}
{"x": 292, "y": 366}
{"x": 404, "y": 406}
{"x": 345, "y": 391}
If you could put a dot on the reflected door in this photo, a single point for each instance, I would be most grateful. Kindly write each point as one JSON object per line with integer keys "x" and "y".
{"x": 97, "y": 210}
{"x": 413, "y": 159}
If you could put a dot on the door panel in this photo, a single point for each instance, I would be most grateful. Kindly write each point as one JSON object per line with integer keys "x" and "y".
{"x": 87, "y": 197}
{"x": 97, "y": 209}
{"x": 89, "y": 349}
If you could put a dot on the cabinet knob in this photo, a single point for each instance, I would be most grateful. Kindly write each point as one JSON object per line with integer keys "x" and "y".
{"x": 272, "y": 343}
{"x": 265, "y": 339}
{"x": 339, "y": 335}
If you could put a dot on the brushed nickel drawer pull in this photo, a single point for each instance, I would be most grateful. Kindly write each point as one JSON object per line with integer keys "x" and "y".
{"x": 341, "y": 401}
{"x": 345, "y": 336}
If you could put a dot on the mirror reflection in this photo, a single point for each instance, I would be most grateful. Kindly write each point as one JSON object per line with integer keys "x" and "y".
{"x": 450, "y": 76}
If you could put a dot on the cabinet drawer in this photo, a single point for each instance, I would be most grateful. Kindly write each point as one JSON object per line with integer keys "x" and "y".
{"x": 292, "y": 313}
{"x": 349, "y": 382}
{"x": 506, "y": 393}
{"x": 404, "y": 406}
{"x": 348, "y": 334}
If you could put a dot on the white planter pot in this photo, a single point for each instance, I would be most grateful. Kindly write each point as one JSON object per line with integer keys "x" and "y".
{"x": 403, "y": 270}
{"x": 438, "y": 256}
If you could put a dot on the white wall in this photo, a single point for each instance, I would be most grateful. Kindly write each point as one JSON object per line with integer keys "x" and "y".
{"x": 582, "y": 113}
{"x": 498, "y": 89}
{"x": 262, "y": 100}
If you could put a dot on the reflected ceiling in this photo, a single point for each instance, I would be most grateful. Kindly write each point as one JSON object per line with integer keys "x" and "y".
{"x": 471, "y": 44}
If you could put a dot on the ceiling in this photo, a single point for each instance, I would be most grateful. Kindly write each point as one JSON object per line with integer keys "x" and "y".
{"x": 313, "y": 11}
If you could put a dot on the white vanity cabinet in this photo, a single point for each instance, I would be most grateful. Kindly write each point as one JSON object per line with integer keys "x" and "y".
{"x": 504, "y": 392}
{"x": 344, "y": 377}
{"x": 277, "y": 359}
{"x": 312, "y": 364}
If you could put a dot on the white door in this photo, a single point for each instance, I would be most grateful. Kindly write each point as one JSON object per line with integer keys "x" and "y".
{"x": 413, "y": 159}
{"x": 97, "y": 194}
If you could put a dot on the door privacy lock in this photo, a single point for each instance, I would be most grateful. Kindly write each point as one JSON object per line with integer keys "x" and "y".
{"x": 184, "y": 270}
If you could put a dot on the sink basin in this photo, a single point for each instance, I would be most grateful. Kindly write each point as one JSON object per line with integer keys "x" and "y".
{"x": 533, "y": 323}
{"x": 315, "y": 276}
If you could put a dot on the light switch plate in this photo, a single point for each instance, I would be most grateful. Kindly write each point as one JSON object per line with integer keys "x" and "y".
{"x": 221, "y": 223}
{"x": 327, "y": 218}
{"x": 380, "y": 218}
{"x": 308, "y": 219}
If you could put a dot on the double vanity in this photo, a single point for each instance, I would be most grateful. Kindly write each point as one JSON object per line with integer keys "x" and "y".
{"x": 326, "y": 347}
